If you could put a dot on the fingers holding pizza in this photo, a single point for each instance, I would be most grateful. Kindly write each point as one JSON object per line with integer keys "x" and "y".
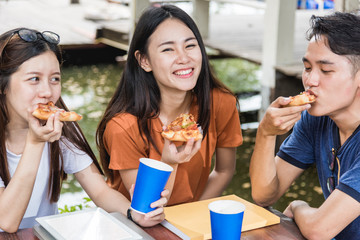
{"x": 48, "y": 130}
{"x": 182, "y": 140}
{"x": 279, "y": 118}
{"x": 179, "y": 152}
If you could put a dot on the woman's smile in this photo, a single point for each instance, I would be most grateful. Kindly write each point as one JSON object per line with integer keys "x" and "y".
{"x": 184, "y": 73}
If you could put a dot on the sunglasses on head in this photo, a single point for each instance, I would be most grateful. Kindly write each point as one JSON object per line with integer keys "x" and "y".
{"x": 32, "y": 36}
{"x": 28, "y": 35}
{"x": 331, "y": 184}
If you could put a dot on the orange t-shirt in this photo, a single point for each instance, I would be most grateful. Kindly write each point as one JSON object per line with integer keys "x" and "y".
{"x": 125, "y": 147}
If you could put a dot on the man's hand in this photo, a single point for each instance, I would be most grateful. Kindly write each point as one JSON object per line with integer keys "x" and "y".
{"x": 279, "y": 120}
{"x": 289, "y": 211}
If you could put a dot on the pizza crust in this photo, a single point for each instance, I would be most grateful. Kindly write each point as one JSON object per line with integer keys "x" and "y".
{"x": 301, "y": 99}
{"x": 44, "y": 111}
{"x": 182, "y": 135}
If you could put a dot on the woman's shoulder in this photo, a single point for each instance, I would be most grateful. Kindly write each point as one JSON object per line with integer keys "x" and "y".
{"x": 67, "y": 145}
{"x": 122, "y": 119}
{"x": 74, "y": 159}
{"x": 222, "y": 98}
{"x": 122, "y": 122}
{"x": 222, "y": 93}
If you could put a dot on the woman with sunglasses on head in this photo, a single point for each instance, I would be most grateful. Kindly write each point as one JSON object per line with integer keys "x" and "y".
{"x": 168, "y": 73}
{"x": 35, "y": 155}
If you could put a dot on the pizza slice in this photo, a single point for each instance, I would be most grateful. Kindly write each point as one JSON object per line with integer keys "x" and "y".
{"x": 182, "y": 129}
{"x": 301, "y": 99}
{"x": 45, "y": 110}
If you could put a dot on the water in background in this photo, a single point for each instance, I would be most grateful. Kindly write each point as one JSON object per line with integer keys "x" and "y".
{"x": 87, "y": 89}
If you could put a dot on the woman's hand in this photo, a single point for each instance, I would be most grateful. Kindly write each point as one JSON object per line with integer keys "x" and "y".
{"x": 175, "y": 155}
{"x": 50, "y": 131}
{"x": 154, "y": 217}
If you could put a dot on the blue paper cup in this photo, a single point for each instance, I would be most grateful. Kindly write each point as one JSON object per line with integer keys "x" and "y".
{"x": 226, "y": 217}
{"x": 151, "y": 179}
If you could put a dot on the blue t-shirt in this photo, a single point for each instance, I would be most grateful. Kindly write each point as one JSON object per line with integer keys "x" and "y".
{"x": 311, "y": 142}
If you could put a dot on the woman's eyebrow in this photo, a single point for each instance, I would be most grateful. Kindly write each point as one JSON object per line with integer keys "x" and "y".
{"x": 190, "y": 38}
{"x": 166, "y": 43}
{"x": 172, "y": 42}
{"x": 40, "y": 73}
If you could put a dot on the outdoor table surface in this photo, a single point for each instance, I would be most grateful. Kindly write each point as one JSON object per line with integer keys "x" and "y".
{"x": 285, "y": 230}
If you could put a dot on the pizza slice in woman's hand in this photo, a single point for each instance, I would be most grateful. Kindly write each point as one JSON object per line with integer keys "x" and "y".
{"x": 45, "y": 110}
{"x": 182, "y": 129}
{"x": 301, "y": 99}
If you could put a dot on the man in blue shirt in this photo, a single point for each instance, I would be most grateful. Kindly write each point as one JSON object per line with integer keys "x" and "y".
{"x": 326, "y": 133}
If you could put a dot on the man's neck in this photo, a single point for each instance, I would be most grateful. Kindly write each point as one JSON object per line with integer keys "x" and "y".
{"x": 347, "y": 121}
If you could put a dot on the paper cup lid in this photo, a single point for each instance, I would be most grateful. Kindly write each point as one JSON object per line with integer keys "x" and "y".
{"x": 156, "y": 164}
{"x": 226, "y": 206}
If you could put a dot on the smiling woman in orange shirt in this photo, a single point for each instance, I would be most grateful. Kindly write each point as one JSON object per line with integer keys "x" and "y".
{"x": 168, "y": 73}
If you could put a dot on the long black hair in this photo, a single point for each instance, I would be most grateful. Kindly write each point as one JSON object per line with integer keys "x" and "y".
{"x": 138, "y": 92}
{"x": 13, "y": 52}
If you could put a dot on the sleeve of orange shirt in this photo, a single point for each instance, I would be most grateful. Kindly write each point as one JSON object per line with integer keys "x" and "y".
{"x": 227, "y": 120}
{"x": 123, "y": 142}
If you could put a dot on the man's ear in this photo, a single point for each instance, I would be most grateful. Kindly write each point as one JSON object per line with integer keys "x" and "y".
{"x": 357, "y": 78}
{"x": 143, "y": 61}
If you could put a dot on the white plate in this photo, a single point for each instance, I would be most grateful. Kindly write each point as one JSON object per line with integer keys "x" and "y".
{"x": 88, "y": 224}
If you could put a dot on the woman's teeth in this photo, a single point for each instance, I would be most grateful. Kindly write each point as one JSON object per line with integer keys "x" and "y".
{"x": 183, "y": 72}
